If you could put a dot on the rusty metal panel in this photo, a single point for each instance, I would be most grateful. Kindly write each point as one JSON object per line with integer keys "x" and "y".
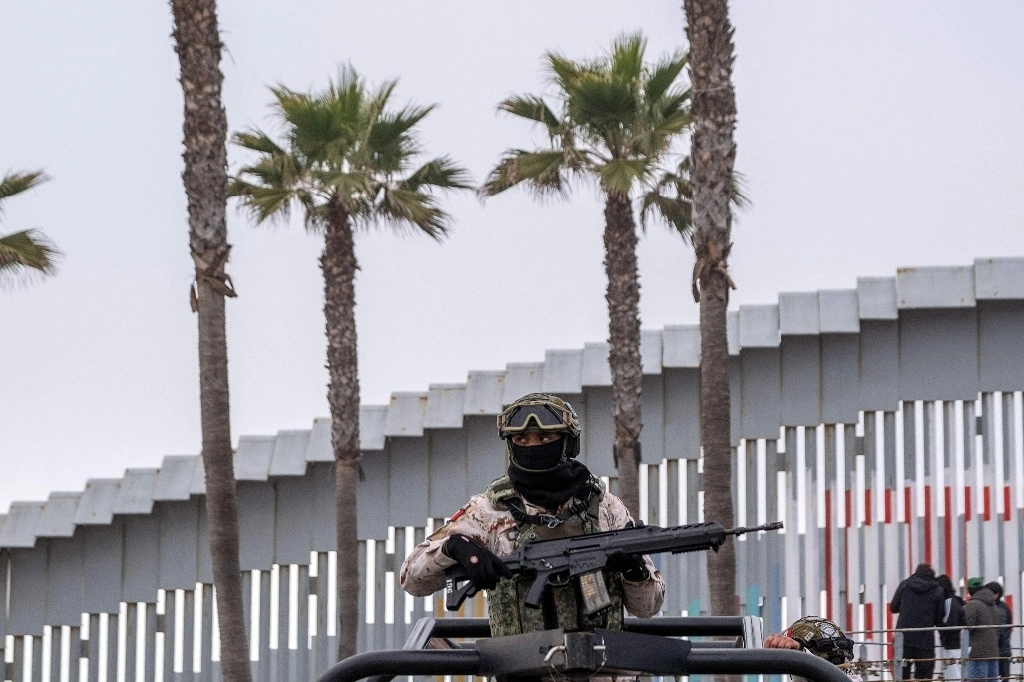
{"x": 484, "y": 392}
{"x": 563, "y": 371}
{"x": 405, "y": 414}
{"x": 800, "y": 381}
{"x": 597, "y": 370}
{"x": 522, "y": 378}
{"x": 798, "y": 313}
{"x": 759, "y": 326}
{"x": 761, "y": 392}
{"x": 935, "y": 287}
{"x": 252, "y": 458}
{"x": 445, "y": 404}
{"x": 289, "y": 455}
{"x": 938, "y": 354}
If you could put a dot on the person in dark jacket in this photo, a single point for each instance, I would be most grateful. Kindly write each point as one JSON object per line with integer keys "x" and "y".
{"x": 981, "y": 610}
{"x": 1003, "y": 634}
{"x": 952, "y": 616}
{"x": 918, "y": 601}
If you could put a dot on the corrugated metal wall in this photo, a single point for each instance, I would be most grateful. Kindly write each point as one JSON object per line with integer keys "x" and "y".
{"x": 883, "y": 425}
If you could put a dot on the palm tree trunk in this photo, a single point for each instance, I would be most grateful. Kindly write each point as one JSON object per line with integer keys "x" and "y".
{"x": 339, "y": 267}
{"x": 197, "y": 42}
{"x": 623, "y": 297}
{"x": 713, "y": 153}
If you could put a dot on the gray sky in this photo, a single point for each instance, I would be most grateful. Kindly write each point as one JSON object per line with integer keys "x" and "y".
{"x": 873, "y": 135}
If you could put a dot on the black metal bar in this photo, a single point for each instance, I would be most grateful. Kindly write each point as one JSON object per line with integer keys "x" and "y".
{"x": 403, "y": 662}
{"x": 677, "y": 659}
{"x": 763, "y": 662}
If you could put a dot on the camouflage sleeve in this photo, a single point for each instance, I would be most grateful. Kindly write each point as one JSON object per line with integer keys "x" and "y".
{"x": 645, "y": 598}
{"x": 422, "y": 571}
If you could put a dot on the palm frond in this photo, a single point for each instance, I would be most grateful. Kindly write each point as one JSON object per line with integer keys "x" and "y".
{"x": 620, "y": 174}
{"x": 442, "y": 173}
{"x": 414, "y": 210}
{"x": 256, "y": 140}
{"x": 28, "y": 250}
{"x": 532, "y": 108}
{"x": 541, "y": 172}
{"x": 663, "y": 76}
{"x": 16, "y": 183}
{"x": 344, "y": 147}
{"x": 626, "y": 59}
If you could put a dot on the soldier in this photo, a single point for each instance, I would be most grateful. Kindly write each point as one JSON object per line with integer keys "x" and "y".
{"x": 821, "y": 637}
{"x": 546, "y": 493}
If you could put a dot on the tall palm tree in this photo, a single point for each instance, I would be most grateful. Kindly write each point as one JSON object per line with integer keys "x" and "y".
{"x": 615, "y": 122}
{"x": 346, "y": 161}
{"x": 197, "y": 42}
{"x": 29, "y": 250}
{"x": 713, "y": 153}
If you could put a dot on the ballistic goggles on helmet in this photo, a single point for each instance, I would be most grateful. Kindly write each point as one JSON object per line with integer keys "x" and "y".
{"x": 540, "y": 414}
{"x": 836, "y": 650}
{"x": 822, "y": 638}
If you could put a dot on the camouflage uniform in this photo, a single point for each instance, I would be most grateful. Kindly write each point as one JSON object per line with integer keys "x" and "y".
{"x": 493, "y": 527}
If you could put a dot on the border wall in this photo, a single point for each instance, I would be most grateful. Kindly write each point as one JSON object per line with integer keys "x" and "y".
{"x": 882, "y": 424}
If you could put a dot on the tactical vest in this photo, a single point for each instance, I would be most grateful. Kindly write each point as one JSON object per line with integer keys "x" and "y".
{"x": 561, "y": 606}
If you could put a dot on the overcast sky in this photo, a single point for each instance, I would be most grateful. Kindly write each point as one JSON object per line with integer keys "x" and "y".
{"x": 873, "y": 135}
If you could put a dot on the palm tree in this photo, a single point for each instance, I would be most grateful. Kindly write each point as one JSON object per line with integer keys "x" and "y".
{"x": 616, "y": 121}
{"x": 713, "y": 153}
{"x": 346, "y": 160}
{"x": 27, "y": 250}
{"x": 197, "y": 42}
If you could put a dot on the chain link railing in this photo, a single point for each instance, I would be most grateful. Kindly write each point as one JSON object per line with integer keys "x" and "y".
{"x": 878, "y": 653}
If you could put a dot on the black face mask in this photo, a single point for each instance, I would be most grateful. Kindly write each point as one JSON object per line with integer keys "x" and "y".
{"x": 540, "y": 474}
{"x": 538, "y": 457}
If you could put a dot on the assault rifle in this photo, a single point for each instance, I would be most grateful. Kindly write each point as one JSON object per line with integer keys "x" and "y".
{"x": 554, "y": 562}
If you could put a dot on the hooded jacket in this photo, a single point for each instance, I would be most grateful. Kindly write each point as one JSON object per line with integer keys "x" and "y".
{"x": 953, "y": 610}
{"x": 981, "y": 609}
{"x": 919, "y": 602}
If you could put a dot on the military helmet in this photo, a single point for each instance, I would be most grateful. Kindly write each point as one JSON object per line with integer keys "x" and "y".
{"x": 823, "y": 638}
{"x": 541, "y": 412}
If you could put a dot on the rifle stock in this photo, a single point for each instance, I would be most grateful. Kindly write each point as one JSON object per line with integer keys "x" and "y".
{"x": 556, "y": 561}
